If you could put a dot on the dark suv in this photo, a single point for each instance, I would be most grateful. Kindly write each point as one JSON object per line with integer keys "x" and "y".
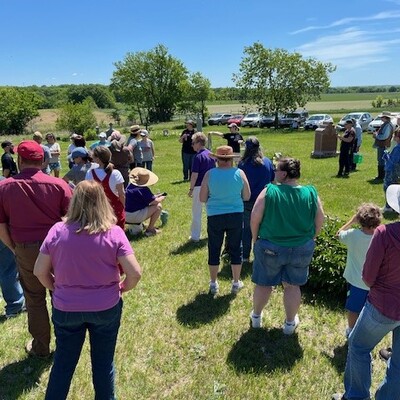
{"x": 298, "y": 116}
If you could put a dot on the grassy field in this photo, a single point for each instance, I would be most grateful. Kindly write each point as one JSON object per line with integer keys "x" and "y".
{"x": 176, "y": 341}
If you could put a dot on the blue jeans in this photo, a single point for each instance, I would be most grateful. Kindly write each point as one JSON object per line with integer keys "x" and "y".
{"x": 148, "y": 165}
{"x": 187, "y": 161}
{"x": 370, "y": 328}
{"x": 9, "y": 282}
{"x": 246, "y": 234}
{"x": 70, "y": 330}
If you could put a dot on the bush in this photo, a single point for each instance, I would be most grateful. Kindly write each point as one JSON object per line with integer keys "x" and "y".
{"x": 90, "y": 134}
{"x": 329, "y": 261}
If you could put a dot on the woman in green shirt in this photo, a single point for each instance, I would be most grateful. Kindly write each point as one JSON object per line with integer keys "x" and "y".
{"x": 284, "y": 222}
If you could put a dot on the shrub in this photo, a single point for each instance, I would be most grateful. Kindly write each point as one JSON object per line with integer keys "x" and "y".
{"x": 76, "y": 117}
{"x": 329, "y": 261}
{"x": 90, "y": 134}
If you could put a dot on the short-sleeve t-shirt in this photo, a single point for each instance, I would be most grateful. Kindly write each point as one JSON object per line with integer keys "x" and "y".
{"x": 7, "y": 162}
{"x": 357, "y": 243}
{"x": 202, "y": 162}
{"x": 54, "y": 147}
{"x": 137, "y": 198}
{"x": 115, "y": 178}
{"x": 85, "y": 280}
{"x": 78, "y": 172}
{"x": 187, "y": 143}
{"x": 233, "y": 141}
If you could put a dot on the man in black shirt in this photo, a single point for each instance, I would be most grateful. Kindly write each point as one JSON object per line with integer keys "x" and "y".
{"x": 7, "y": 162}
{"x": 234, "y": 138}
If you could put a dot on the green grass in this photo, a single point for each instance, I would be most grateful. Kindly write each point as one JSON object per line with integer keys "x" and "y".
{"x": 176, "y": 342}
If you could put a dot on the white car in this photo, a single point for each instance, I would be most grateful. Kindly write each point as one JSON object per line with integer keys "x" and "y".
{"x": 315, "y": 121}
{"x": 374, "y": 125}
{"x": 363, "y": 118}
{"x": 252, "y": 119}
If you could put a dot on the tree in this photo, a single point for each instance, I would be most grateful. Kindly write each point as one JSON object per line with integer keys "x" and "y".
{"x": 77, "y": 117}
{"x": 197, "y": 90}
{"x": 17, "y": 108}
{"x": 150, "y": 81}
{"x": 99, "y": 93}
{"x": 278, "y": 81}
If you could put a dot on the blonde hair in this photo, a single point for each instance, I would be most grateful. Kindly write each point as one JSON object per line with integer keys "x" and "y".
{"x": 90, "y": 208}
{"x": 200, "y": 137}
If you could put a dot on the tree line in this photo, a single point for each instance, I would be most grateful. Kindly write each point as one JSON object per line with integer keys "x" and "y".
{"x": 153, "y": 86}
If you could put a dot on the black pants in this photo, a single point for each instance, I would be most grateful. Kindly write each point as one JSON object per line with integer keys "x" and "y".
{"x": 345, "y": 159}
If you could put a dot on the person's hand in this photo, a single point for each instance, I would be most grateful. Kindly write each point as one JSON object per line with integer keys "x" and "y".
{"x": 190, "y": 193}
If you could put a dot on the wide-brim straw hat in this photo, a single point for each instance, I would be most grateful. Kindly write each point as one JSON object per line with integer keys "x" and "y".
{"x": 142, "y": 177}
{"x": 393, "y": 197}
{"x": 224, "y": 153}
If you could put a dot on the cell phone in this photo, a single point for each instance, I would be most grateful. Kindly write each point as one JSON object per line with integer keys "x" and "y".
{"x": 163, "y": 194}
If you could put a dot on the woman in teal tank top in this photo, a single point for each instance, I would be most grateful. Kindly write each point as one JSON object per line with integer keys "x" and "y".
{"x": 284, "y": 222}
{"x": 223, "y": 189}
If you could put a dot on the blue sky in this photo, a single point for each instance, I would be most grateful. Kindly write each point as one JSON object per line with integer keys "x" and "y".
{"x": 51, "y": 42}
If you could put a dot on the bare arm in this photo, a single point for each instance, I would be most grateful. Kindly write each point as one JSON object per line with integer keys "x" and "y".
{"x": 132, "y": 271}
{"x": 204, "y": 192}
{"x": 257, "y": 214}
{"x": 6, "y": 173}
{"x": 193, "y": 179}
{"x": 348, "y": 224}
{"x": 42, "y": 270}
{"x": 5, "y": 237}
{"x": 158, "y": 199}
{"x": 121, "y": 192}
{"x": 246, "y": 187}
{"x": 319, "y": 218}
{"x": 216, "y": 133}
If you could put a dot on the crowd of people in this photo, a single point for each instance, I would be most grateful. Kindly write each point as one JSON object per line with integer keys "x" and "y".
{"x": 253, "y": 206}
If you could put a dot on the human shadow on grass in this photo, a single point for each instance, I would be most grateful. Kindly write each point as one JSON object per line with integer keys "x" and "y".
{"x": 260, "y": 351}
{"x": 204, "y": 309}
{"x": 338, "y": 360}
{"x": 21, "y": 376}
{"x": 179, "y": 182}
{"x": 226, "y": 272}
{"x": 189, "y": 246}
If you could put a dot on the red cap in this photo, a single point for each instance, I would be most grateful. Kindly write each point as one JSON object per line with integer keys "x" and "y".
{"x": 30, "y": 150}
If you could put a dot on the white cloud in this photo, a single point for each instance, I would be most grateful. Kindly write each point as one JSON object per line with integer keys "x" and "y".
{"x": 75, "y": 74}
{"x": 351, "y": 20}
{"x": 351, "y": 48}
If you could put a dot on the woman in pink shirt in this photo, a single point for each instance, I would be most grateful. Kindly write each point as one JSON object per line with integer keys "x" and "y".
{"x": 78, "y": 262}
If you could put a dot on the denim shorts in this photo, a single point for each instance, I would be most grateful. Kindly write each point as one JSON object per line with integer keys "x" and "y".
{"x": 217, "y": 226}
{"x": 56, "y": 166}
{"x": 275, "y": 264}
{"x": 356, "y": 298}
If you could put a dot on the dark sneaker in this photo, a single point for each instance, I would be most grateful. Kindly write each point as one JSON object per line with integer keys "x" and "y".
{"x": 13, "y": 315}
{"x": 32, "y": 353}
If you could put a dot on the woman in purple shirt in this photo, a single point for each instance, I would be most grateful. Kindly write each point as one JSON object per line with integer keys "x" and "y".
{"x": 86, "y": 287}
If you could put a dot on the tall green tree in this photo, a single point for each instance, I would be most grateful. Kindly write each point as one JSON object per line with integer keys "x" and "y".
{"x": 278, "y": 81}
{"x": 77, "y": 117}
{"x": 197, "y": 90}
{"x": 99, "y": 93}
{"x": 151, "y": 82}
{"x": 17, "y": 108}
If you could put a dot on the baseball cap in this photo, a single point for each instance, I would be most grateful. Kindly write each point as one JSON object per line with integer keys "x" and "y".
{"x": 30, "y": 150}
{"x": 102, "y": 135}
{"x": 79, "y": 152}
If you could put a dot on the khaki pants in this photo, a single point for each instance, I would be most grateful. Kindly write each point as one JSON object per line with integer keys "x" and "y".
{"x": 35, "y": 297}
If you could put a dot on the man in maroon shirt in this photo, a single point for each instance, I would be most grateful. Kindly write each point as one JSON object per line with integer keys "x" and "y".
{"x": 30, "y": 203}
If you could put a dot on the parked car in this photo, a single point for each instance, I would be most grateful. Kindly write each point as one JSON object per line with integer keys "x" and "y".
{"x": 296, "y": 117}
{"x": 363, "y": 119}
{"x": 376, "y": 123}
{"x": 316, "y": 121}
{"x": 268, "y": 121}
{"x": 251, "y": 119}
{"x": 236, "y": 119}
{"x": 219, "y": 119}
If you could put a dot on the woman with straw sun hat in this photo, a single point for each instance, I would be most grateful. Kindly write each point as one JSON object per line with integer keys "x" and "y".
{"x": 141, "y": 204}
{"x": 224, "y": 189}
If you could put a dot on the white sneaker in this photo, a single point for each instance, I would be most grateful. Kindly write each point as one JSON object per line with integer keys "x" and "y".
{"x": 236, "y": 287}
{"x": 256, "y": 320}
{"x": 289, "y": 328}
{"x": 214, "y": 287}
